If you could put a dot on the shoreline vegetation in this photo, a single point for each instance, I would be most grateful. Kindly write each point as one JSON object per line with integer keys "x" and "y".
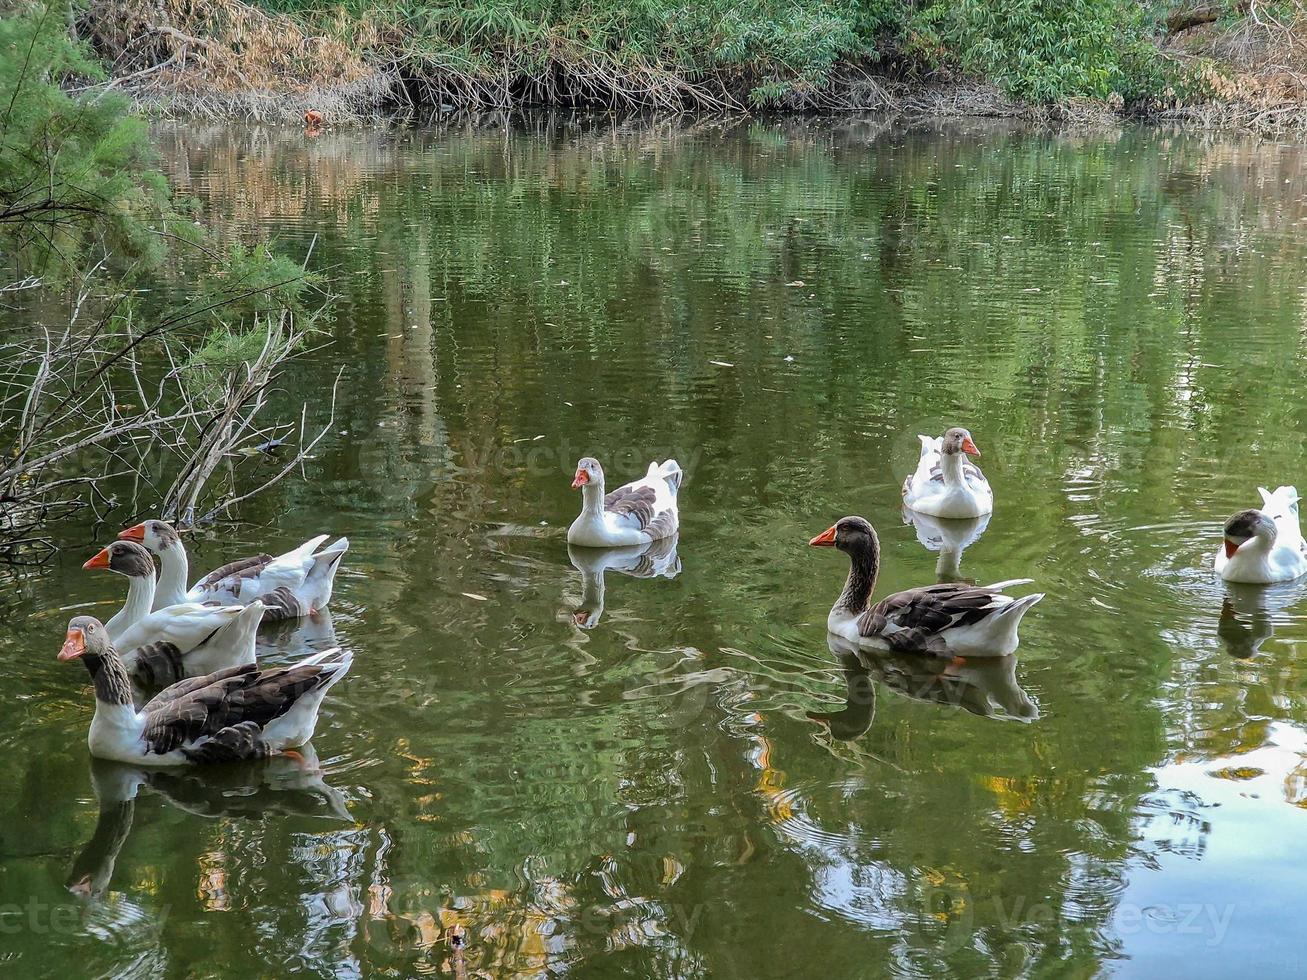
{"x": 114, "y": 393}
{"x": 1210, "y": 63}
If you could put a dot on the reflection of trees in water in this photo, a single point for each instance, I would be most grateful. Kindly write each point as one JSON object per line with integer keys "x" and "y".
{"x": 512, "y": 273}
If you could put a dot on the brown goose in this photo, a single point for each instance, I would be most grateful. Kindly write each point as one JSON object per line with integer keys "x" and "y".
{"x": 233, "y": 714}
{"x": 953, "y": 618}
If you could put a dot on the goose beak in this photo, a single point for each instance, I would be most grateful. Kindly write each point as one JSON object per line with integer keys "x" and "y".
{"x": 969, "y": 447}
{"x": 136, "y": 533}
{"x": 74, "y": 645}
{"x": 824, "y": 540}
{"x": 1231, "y": 547}
{"x": 582, "y": 478}
{"x": 99, "y": 561}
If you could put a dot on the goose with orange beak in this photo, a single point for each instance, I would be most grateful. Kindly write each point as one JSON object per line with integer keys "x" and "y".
{"x": 233, "y": 714}
{"x": 946, "y": 483}
{"x": 950, "y": 619}
{"x": 297, "y": 583}
{"x": 183, "y": 640}
{"x": 636, "y": 513}
{"x": 1266, "y": 545}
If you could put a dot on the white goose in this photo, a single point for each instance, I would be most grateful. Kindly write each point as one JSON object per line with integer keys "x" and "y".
{"x": 298, "y": 583}
{"x": 951, "y": 618}
{"x": 233, "y": 714}
{"x": 1263, "y": 546}
{"x": 946, "y": 483}
{"x": 183, "y": 640}
{"x": 636, "y": 513}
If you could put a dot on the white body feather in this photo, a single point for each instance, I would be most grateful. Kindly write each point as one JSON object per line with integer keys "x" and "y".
{"x": 1262, "y": 561}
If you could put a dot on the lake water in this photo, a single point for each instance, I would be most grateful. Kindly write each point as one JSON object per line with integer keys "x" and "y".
{"x": 531, "y": 772}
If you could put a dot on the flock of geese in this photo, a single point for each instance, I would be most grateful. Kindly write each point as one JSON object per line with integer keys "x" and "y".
{"x": 216, "y": 704}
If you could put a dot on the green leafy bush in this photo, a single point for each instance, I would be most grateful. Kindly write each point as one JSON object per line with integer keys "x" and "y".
{"x": 1046, "y": 50}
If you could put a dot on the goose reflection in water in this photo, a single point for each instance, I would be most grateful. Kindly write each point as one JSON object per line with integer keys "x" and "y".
{"x": 1249, "y": 612}
{"x": 949, "y": 537}
{"x": 985, "y": 686}
{"x": 289, "y": 640}
{"x": 656, "y": 559}
{"x": 290, "y": 784}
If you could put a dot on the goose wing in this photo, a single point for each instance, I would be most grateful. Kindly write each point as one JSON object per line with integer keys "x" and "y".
{"x": 916, "y": 619}
{"x": 183, "y": 626}
{"x": 190, "y": 712}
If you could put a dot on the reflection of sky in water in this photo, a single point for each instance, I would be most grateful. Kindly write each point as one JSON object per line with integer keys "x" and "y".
{"x": 1224, "y": 888}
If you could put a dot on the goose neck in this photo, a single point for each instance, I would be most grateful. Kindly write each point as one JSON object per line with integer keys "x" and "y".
{"x": 140, "y": 597}
{"x": 173, "y": 572}
{"x": 950, "y": 465}
{"x": 113, "y": 686}
{"x": 864, "y": 567}
{"x": 592, "y": 497}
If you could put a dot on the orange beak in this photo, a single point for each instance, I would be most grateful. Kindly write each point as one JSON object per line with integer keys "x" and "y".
{"x": 824, "y": 540}
{"x": 74, "y": 645}
{"x": 969, "y": 447}
{"x": 99, "y": 561}
{"x": 136, "y": 533}
{"x": 1230, "y": 548}
{"x": 582, "y": 478}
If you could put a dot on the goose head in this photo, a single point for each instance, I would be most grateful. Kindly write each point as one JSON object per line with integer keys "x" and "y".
{"x": 86, "y": 635}
{"x": 849, "y": 534}
{"x": 588, "y": 471}
{"x": 156, "y": 536}
{"x": 126, "y": 558}
{"x": 1244, "y": 527}
{"x": 958, "y": 440}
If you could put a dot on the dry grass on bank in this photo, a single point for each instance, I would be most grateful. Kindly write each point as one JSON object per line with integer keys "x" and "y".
{"x": 224, "y": 58}
{"x": 1256, "y": 70}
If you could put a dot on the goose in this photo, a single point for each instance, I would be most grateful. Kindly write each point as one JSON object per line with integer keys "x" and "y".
{"x": 295, "y": 584}
{"x": 230, "y": 715}
{"x": 656, "y": 559}
{"x": 185, "y": 640}
{"x": 952, "y": 618}
{"x": 946, "y": 483}
{"x": 1263, "y": 546}
{"x": 636, "y": 513}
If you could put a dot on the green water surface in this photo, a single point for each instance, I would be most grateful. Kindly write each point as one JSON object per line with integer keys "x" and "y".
{"x": 532, "y": 772}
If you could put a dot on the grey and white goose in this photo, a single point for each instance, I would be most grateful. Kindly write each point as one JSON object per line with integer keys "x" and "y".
{"x": 230, "y": 715}
{"x": 183, "y": 640}
{"x": 298, "y": 583}
{"x": 946, "y": 483}
{"x": 635, "y": 513}
{"x": 951, "y": 618}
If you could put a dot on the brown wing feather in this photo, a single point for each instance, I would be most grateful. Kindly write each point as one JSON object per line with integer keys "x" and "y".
{"x": 240, "y": 568}
{"x": 229, "y": 699}
{"x": 635, "y": 502}
{"x": 919, "y": 615}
